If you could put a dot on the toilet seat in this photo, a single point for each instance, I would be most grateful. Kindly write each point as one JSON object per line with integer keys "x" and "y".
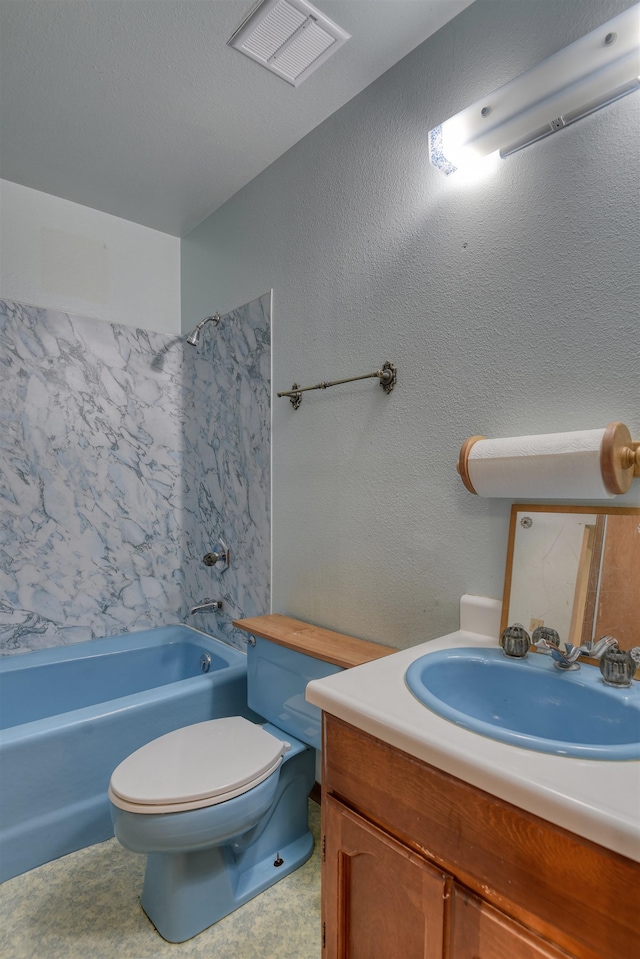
{"x": 196, "y": 766}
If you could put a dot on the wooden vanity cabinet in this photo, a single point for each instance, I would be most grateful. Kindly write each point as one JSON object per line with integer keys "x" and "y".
{"x": 417, "y": 863}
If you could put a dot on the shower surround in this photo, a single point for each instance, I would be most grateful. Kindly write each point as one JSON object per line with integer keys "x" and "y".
{"x": 124, "y": 455}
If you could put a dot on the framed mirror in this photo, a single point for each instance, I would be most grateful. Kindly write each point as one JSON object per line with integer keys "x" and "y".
{"x": 575, "y": 569}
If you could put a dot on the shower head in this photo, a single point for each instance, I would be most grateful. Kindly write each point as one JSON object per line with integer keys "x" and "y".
{"x": 194, "y": 337}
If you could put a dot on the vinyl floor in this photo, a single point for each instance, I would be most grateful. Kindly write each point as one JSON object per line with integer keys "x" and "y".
{"x": 87, "y": 906}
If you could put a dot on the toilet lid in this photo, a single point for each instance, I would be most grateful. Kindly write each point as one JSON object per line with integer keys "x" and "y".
{"x": 197, "y": 765}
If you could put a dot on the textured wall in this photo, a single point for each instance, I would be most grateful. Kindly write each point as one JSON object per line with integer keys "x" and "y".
{"x": 508, "y": 305}
{"x": 65, "y": 256}
{"x": 124, "y": 454}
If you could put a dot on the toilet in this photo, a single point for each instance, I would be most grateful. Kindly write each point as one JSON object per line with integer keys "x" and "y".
{"x": 220, "y": 807}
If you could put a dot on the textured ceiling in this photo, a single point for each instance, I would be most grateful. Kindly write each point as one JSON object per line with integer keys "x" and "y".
{"x": 139, "y": 108}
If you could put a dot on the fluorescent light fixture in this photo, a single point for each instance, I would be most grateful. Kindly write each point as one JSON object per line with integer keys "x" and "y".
{"x": 599, "y": 68}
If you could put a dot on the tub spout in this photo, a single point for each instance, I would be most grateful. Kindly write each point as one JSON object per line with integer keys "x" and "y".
{"x": 206, "y": 606}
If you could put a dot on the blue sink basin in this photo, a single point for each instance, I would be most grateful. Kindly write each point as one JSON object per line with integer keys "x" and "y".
{"x": 529, "y": 703}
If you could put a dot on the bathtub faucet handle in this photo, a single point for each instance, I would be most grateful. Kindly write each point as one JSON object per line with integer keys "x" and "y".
{"x": 218, "y": 557}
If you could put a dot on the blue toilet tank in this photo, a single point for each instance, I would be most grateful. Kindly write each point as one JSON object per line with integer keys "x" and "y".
{"x": 276, "y": 680}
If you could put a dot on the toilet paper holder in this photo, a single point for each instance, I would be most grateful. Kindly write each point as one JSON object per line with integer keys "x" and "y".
{"x": 610, "y": 454}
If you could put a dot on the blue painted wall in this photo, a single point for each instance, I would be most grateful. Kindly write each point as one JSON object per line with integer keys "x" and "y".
{"x": 509, "y": 306}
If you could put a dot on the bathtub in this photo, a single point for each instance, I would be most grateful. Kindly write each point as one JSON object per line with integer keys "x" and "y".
{"x": 70, "y": 714}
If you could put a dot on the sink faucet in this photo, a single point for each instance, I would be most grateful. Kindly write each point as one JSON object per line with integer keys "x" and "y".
{"x": 568, "y": 658}
{"x": 206, "y": 606}
{"x": 597, "y": 650}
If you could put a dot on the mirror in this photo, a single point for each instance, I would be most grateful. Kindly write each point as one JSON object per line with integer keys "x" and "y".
{"x": 575, "y": 569}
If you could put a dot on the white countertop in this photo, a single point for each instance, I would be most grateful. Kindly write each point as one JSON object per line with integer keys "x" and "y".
{"x": 597, "y": 800}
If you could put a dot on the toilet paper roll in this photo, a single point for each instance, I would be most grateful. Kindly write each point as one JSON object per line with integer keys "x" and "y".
{"x": 546, "y": 466}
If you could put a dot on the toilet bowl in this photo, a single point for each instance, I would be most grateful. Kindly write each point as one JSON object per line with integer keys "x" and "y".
{"x": 220, "y": 807}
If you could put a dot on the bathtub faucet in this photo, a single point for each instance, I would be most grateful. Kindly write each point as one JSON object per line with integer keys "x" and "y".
{"x": 206, "y": 606}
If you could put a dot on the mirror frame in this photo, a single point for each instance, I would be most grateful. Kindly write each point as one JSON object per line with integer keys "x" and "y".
{"x": 547, "y": 508}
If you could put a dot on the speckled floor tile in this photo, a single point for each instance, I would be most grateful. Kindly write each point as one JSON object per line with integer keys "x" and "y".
{"x": 87, "y": 906}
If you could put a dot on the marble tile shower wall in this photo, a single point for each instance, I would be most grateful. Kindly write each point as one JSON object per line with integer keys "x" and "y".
{"x": 124, "y": 454}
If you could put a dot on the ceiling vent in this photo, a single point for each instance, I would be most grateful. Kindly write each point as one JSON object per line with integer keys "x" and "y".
{"x": 289, "y": 37}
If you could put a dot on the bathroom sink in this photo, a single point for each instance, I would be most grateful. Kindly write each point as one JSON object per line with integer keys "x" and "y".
{"x": 529, "y": 703}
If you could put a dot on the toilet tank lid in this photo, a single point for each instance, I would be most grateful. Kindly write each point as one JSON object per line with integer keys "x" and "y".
{"x": 198, "y": 762}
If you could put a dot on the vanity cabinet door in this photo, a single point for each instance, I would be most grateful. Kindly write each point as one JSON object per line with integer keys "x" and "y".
{"x": 380, "y": 900}
{"x": 478, "y": 931}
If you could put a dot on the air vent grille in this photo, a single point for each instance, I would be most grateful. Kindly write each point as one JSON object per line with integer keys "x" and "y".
{"x": 267, "y": 38}
{"x": 304, "y": 49}
{"x": 291, "y": 38}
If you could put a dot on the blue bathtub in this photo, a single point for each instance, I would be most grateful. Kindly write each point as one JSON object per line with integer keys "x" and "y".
{"x": 70, "y": 714}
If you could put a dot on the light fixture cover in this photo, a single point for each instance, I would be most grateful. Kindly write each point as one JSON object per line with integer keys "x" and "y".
{"x": 291, "y": 38}
{"x": 591, "y": 72}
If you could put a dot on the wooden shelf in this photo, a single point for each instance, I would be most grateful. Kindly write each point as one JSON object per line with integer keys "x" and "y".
{"x": 336, "y": 648}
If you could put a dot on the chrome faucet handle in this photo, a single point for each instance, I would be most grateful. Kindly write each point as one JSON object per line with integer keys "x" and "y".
{"x": 515, "y": 641}
{"x": 218, "y": 557}
{"x": 210, "y": 559}
{"x": 617, "y": 666}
